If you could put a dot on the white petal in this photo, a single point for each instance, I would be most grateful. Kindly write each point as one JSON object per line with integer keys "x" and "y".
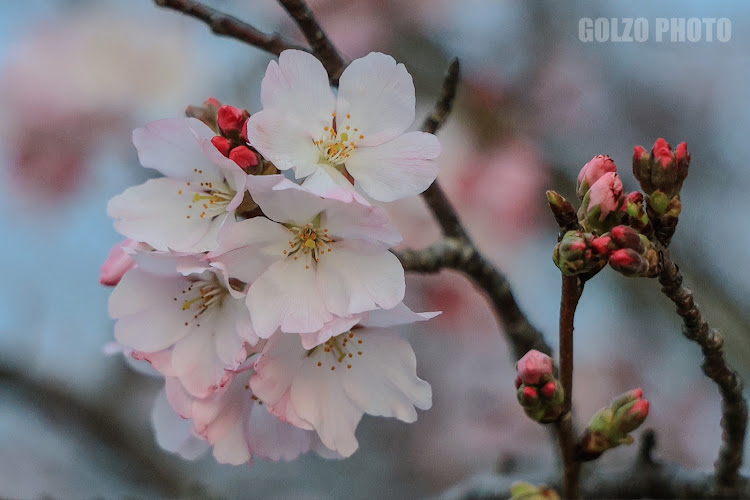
{"x": 160, "y": 212}
{"x": 232, "y": 448}
{"x": 270, "y": 438}
{"x": 174, "y": 433}
{"x": 284, "y": 201}
{"x": 399, "y": 315}
{"x": 334, "y": 327}
{"x": 174, "y": 147}
{"x": 179, "y": 399}
{"x": 298, "y": 85}
{"x": 317, "y": 397}
{"x": 283, "y": 140}
{"x": 328, "y": 182}
{"x": 355, "y": 221}
{"x": 149, "y": 319}
{"x": 383, "y": 379}
{"x": 196, "y": 362}
{"x": 357, "y": 276}
{"x": 397, "y": 169}
{"x": 286, "y": 297}
{"x": 378, "y": 94}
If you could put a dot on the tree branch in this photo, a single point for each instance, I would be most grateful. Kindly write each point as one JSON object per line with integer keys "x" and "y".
{"x": 733, "y": 404}
{"x": 457, "y": 254}
{"x": 322, "y": 47}
{"x": 225, "y": 25}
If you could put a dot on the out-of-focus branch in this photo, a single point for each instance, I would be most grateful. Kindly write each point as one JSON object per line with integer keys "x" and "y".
{"x": 733, "y": 404}
{"x": 644, "y": 478}
{"x": 322, "y": 47}
{"x": 457, "y": 254}
{"x": 229, "y": 26}
{"x": 70, "y": 412}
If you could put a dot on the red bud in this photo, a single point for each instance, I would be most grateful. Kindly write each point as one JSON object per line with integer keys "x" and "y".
{"x": 212, "y": 102}
{"x": 530, "y": 394}
{"x": 640, "y": 409}
{"x": 244, "y": 157}
{"x": 601, "y": 245}
{"x": 681, "y": 151}
{"x": 231, "y": 119}
{"x": 639, "y": 153}
{"x": 222, "y": 144}
{"x": 548, "y": 390}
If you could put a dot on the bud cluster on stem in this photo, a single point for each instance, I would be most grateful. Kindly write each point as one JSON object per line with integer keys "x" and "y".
{"x": 538, "y": 392}
{"x": 610, "y": 427}
{"x": 628, "y": 252}
{"x": 575, "y": 254}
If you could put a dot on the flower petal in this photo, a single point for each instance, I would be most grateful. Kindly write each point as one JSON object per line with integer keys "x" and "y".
{"x": 174, "y": 147}
{"x": 284, "y": 201}
{"x": 270, "y": 438}
{"x": 399, "y": 315}
{"x": 376, "y": 95}
{"x": 397, "y": 169}
{"x": 357, "y": 277}
{"x": 355, "y": 221}
{"x": 286, "y": 297}
{"x": 334, "y": 327}
{"x": 174, "y": 433}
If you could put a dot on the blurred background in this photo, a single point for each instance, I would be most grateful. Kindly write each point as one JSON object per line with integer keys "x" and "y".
{"x": 535, "y": 104}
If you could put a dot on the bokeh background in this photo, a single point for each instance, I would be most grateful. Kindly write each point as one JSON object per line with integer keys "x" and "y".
{"x": 535, "y": 104}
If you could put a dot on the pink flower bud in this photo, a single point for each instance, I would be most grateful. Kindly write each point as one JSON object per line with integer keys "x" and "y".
{"x": 637, "y": 393}
{"x": 639, "y": 409}
{"x": 231, "y": 119}
{"x": 681, "y": 152}
{"x": 117, "y": 264}
{"x": 627, "y": 237}
{"x": 533, "y": 366}
{"x": 212, "y": 102}
{"x": 602, "y": 245}
{"x": 662, "y": 152}
{"x": 606, "y": 193}
{"x": 223, "y": 144}
{"x": 530, "y": 394}
{"x": 244, "y": 157}
{"x": 548, "y": 389}
{"x": 518, "y": 382}
{"x": 639, "y": 153}
{"x": 628, "y": 262}
{"x": 593, "y": 171}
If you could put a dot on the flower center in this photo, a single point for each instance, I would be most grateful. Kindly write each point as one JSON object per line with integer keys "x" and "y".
{"x": 337, "y": 143}
{"x": 339, "y": 351}
{"x": 203, "y": 295}
{"x": 209, "y": 199}
{"x": 308, "y": 240}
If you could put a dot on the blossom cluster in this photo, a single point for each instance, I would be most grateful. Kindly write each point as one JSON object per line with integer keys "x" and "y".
{"x": 256, "y": 276}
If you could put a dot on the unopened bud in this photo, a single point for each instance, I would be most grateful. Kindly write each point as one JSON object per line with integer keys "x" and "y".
{"x": 574, "y": 254}
{"x": 627, "y": 237}
{"x": 206, "y": 112}
{"x": 533, "y": 366}
{"x": 663, "y": 170}
{"x": 529, "y": 394}
{"x": 118, "y": 263}
{"x": 231, "y": 120}
{"x": 600, "y": 209}
{"x": 223, "y": 144}
{"x": 635, "y": 208}
{"x": 592, "y": 172}
{"x": 549, "y": 389}
{"x": 565, "y": 214}
{"x": 628, "y": 262}
{"x": 603, "y": 245}
{"x": 244, "y": 157}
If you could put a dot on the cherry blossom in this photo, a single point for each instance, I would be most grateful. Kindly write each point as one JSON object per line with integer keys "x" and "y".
{"x": 233, "y": 421}
{"x": 361, "y": 131}
{"x": 188, "y": 326}
{"x": 361, "y": 368}
{"x": 311, "y": 259}
{"x": 184, "y": 210}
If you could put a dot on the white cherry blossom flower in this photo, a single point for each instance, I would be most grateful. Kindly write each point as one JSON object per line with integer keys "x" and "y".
{"x": 311, "y": 259}
{"x": 184, "y": 210}
{"x": 366, "y": 368}
{"x": 232, "y": 421}
{"x": 362, "y": 130}
{"x": 188, "y": 326}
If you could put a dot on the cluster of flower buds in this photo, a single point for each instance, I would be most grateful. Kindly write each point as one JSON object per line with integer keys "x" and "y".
{"x": 575, "y": 254}
{"x": 527, "y": 491}
{"x": 628, "y": 252}
{"x": 272, "y": 327}
{"x": 610, "y": 427}
{"x": 540, "y": 395}
{"x": 661, "y": 174}
{"x": 601, "y": 193}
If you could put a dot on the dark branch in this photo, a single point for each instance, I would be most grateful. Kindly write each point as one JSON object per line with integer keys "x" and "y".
{"x": 733, "y": 404}
{"x": 229, "y": 26}
{"x": 322, "y": 47}
{"x": 71, "y": 413}
{"x": 443, "y": 108}
{"x": 457, "y": 254}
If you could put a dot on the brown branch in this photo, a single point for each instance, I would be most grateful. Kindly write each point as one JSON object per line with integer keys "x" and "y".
{"x": 457, "y": 254}
{"x": 733, "y": 404}
{"x": 225, "y": 25}
{"x": 572, "y": 288}
{"x": 71, "y": 414}
{"x": 322, "y": 47}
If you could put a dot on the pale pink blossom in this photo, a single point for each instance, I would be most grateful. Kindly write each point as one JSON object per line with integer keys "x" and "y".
{"x": 311, "y": 258}
{"x": 606, "y": 193}
{"x": 533, "y": 366}
{"x": 361, "y": 130}
{"x": 364, "y": 368}
{"x": 234, "y": 422}
{"x": 188, "y": 326}
{"x": 184, "y": 210}
{"x": 593, "y": 171}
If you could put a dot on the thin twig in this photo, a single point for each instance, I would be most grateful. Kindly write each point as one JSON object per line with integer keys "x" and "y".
{"x": 454, "y": 253}
{"x": 70, "y": 412}
{"x": 733, "y": 403}
{"x": 225, "y": 25}
{"x": 322, "y": 47}
{"x": 572, "y": 289}
{"x": 443, "y": 108}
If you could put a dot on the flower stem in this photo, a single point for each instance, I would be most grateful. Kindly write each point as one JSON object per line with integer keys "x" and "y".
{"x": 572, "y": 288}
